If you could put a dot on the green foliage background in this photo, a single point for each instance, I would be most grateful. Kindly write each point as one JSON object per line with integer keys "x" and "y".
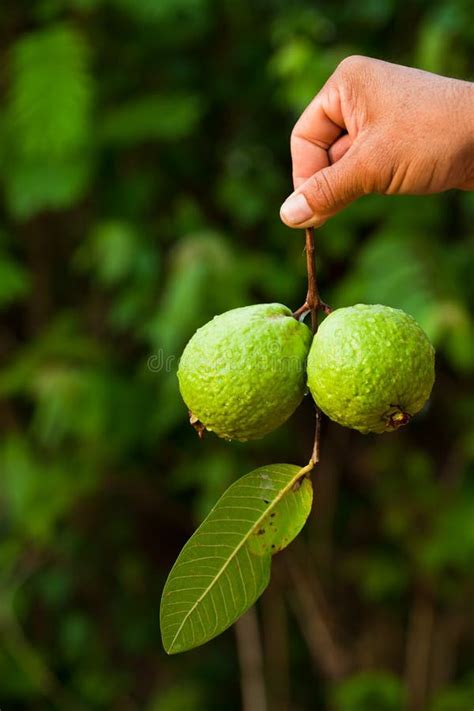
{"x": 143, "y": 158}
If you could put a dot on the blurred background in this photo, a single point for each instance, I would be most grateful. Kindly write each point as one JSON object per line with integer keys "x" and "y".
{"x": 144, "y": 154}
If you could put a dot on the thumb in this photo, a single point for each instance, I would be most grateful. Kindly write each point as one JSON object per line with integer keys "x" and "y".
{"x": 325, "y": 193}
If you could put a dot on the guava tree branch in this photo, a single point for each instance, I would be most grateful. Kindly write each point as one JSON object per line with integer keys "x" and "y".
{"x": 311, "y": 611}
{"x": 249, "y": 650}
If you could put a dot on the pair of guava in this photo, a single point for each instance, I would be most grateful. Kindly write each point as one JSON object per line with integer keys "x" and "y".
{"x": 368, "y": 367}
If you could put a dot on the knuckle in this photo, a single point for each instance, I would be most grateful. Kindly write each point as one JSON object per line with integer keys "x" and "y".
{"x": 299, "y": 130}
{"x": 352, "y": 63}
{"x": 353, "y": 77}
{"x": 295, "y": 134}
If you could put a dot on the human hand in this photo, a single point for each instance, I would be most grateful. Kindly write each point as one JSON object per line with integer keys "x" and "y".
{"x": 377, "y": 127}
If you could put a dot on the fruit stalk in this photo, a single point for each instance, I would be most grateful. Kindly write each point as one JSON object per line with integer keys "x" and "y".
{"x": 313, "y": 304}
{"x": 312, "y": 297}
{"x": 317, "y": 436}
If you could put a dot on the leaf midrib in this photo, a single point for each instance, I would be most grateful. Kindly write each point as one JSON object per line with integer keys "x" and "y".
{"x": 301, "y": 472}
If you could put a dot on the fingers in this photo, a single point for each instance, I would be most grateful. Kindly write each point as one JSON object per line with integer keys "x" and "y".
{"x": 317, "y": 129}
{"x": 317, "y": 141}
{"x": 325, "y": 193}
{"x": 339, "y": 148}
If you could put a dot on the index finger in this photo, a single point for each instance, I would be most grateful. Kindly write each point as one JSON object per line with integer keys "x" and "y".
{"x": 318, "y": 127}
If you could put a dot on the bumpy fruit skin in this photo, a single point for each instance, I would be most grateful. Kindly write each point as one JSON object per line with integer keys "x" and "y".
{"x": 370, "y": 367}
{"x": 244, "y": 373}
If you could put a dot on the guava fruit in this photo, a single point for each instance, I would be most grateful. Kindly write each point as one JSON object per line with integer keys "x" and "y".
{"x": 370, "y": 367}
{"x": 244, "y": 373}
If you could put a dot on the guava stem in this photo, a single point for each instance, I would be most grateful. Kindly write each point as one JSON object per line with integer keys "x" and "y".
{"x": 313, "y": 298}
{"x": 313, "y": 302}
{"x": 317, "y": 437}
{"x": 301, "y": 312}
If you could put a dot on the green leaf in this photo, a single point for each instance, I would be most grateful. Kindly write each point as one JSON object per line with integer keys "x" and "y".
{"x": 225, "y": 566}
{"x": 14, "y": 281}
{"x": 51, "y": 92}
{"x": 151, "y": 118}
{"x": 110, "y": 251}
{"x": 375, "y": 689}
{"x": 33, "y": 185}
{"x": 46, "y": 155}
{"x": 150, "y": 11}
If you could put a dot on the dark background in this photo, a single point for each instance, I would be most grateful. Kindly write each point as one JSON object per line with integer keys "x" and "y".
{"x": 144, "y": 155}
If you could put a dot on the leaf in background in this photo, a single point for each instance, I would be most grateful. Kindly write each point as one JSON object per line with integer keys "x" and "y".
{"x": 51, "y": 92}
{"x": 34, "y": 490}
{"x": 153, "y": 11}
{"x": 439, "y": 47}
{"x": 416, "y": 282}
{"x": 46, "y": 162}
{"x": 202, "y": 281}
{"x": 210, "y": 474}
{"x": 225, "y": 566}
{"x": 299, "y": 66}
{"x": 378, "y": 689}
{"x": 455, "y": 696}
{"x": 151, "y": 117}
{"x": 183, "y": 694}
{"x": 14, "y": 281}
{"x": 35, "y": 184}
{"x": 110, "y": 251}
{"x": 62, "y": 343}
{"x": 450, "y": 547}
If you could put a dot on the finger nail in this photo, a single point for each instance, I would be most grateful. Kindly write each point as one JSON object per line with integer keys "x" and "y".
{"x": 295, "y": 210}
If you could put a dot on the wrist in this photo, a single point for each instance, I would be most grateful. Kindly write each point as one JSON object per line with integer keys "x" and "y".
{"x": 465, "y": 123}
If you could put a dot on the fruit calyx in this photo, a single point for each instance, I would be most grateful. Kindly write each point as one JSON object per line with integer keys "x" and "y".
{"x": 197, "y": 425}
{"x": 397, "y": 418}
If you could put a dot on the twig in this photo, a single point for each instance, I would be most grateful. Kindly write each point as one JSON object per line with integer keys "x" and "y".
{"x": 317, "y": 436}
{"x": 313, "y": 298}
{"x": 312, "y": 305}
{"x": 327, "y": 656}
{"x": 29, "y": 659}
{"x": 447, "y": 637}
{"x": 419, "y": 649}
{"x": 275, "y": 638}
{"x": 249, "y": 651}
{"x": 313, "y": 302}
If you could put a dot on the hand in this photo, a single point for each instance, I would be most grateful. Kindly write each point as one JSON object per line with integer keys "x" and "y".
{"x": 377, "y": 127}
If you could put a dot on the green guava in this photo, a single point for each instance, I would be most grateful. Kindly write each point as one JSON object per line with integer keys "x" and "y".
{"x": 244, "y": 373}
{"x": 370, "y": 367}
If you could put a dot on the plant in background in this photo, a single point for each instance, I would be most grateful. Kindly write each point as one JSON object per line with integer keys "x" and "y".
{"x": 242, "y": 375}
